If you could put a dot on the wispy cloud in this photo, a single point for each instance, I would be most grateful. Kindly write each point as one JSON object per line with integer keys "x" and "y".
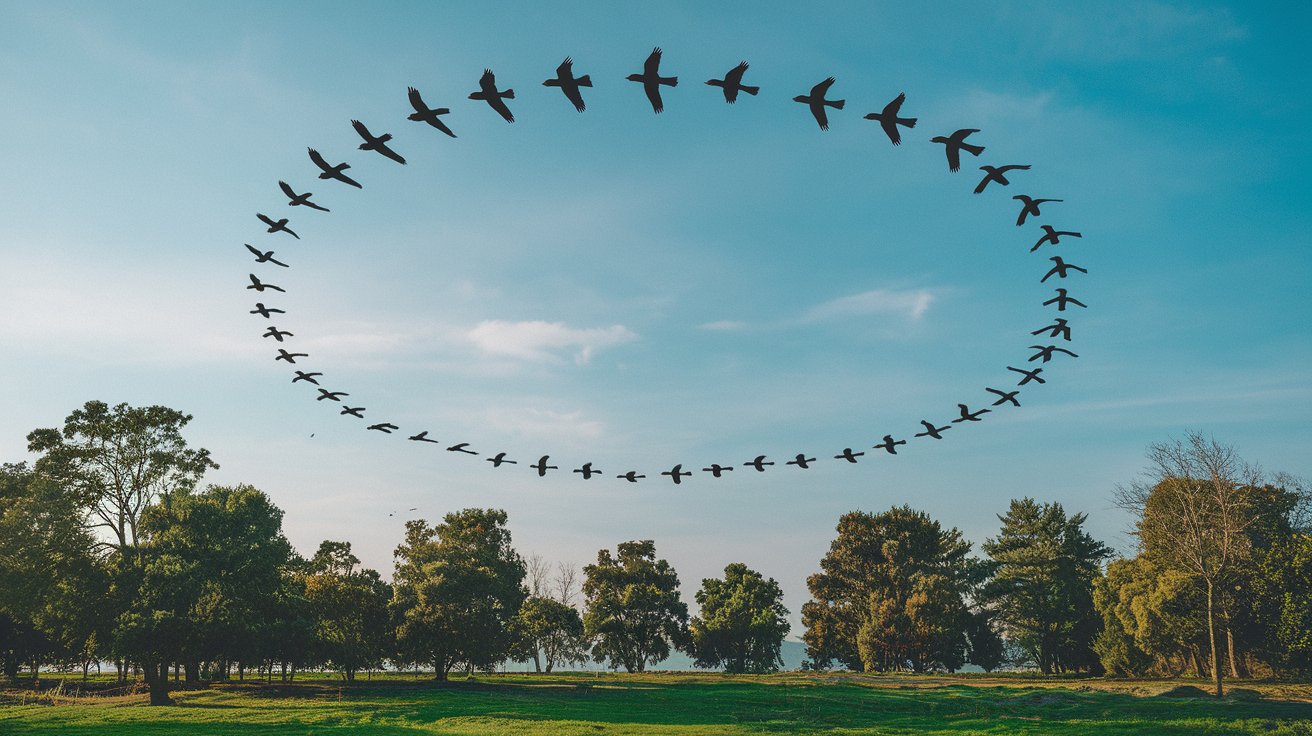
{"x": 545, "y": 424}
{"x": 540, "y": 341}
{"x": 723, "y": 325}
{"x": 907, "y": 304}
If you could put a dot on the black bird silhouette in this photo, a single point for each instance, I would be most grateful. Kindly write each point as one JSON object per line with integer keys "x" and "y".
{"x": 848, "y": 455}
{"x": 1058, "y": 328}
{"x": 258, "y": 285}
{"x": 299, "y": 200}
{"x": 542, "y": 467}
{"x": 1061, "y": 268}
{"x": 569, "y": 84}
{"x": 1061, "y": 300}
{"x": 968, "y": 416}
{"x": 889, "y": 444}
{"x": 500, "y": 458}
{"x": 759, "y": 463}
{"x": 817, "y": 102}
{"x": 586, "y": 471}
{"x": 330, "y": 395}
{"x": 264, "y": 311}
{"x": 289, "y": 357}
{"x": 998, "y": 174}
{"x": 303, "y": 376}
{"x": 460, "y": 447}
{"x": 376, "y": 143}
{"x": 652, "y": 80}
{"x": 631, "y": 476}
{"x": 1053, "y": 236}
{"x": 1046, "y": 352}
{"x": 264, "y": 256}
{"x": 1004, "y": 397}
{"x": 384, "y": 427}
{"x": 888, "y": 119}
{"x": 1029, "y": 206}
{"x": 355, "y": 411}
{"x": 422, "y": 437}
{"x": 955, "y": 144}
{"x": 1028, "y": 375}
{"x": 732, "y": 83}
{"x": 677, "y": 474}
{"x": 424, "y": 114}
{"x": 801, "y": 461}
{"x": 277, "y": 334}
{"x": 932, "y": 431}
{"x": 717, "y": 470}
{"x": 488, "y": 92}
{"x": 333, "y": 172}
{"x": 279, "y": 226}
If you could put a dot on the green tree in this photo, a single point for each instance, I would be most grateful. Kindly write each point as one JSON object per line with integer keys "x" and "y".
{"x": 550, "y": 629}
{"x": 350, "y": 605}
{"x": 742, "y": 622}
{"x": 1151, "y": 622}
{"x": 1284, "y": 586}
{"x": 633, "y": 612}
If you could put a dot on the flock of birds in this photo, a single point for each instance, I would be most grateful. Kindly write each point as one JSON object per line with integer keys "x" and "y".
{"x": 651, "y": 79}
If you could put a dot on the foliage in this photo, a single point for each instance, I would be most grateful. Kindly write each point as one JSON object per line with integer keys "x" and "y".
{"x": 742, "y": 622}
{"x": 633, "y": 610}
{"x": 350, "y": 609}
{"x": 550, "y": 628}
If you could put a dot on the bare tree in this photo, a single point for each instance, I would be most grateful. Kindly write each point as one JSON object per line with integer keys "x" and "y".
{"x": 567, "y": 583}
{"x": 538, "y": 577}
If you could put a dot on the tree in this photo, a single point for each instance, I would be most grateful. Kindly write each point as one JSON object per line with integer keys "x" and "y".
{"x": 742, "y": 622}
{"x": 546, "y": 630}
{"x": 633, "y": 609}
{"x": 350, "y": 606}
{"x": 458, "y": 584}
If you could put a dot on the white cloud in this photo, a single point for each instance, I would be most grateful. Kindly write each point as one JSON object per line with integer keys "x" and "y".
{"x": 910, "y": 305}
{"x": 540, "y": 341}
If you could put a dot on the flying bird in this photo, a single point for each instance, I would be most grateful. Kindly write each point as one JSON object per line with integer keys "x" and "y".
{"x": 732, "y": 83}
{"x": 1053, "y": 236}
{"x": 1046, "y": 352}
{"x": 460, "y": 447}
{"x": 997, "y": 174}
{"x": 299, "y": 200}
{"x": 889, "y": 444}
{"x": 258, "y": 285}
{"x": 1028, "y": 375}
{"x": 652, "y": 80}
{"x": 631, "y": 476}
{"x": 384, "y": 427}
{"x": 488, "y": 92}
{"x": 1060, "y": 268}
{"x": 333, "y": 172}
{"x": 289, "y": 357}
{"x": 264, "y": 256}
{"x": 277, "y": 334}
{"x": 932, "y": 431}
{"x": 422, "y": 437}
{"x": 1004, "y": 397}
{"x": 1061, "y": 300}
{"x": 499, "y": 459}
{"x": 759, "y": 463}
{"x": 263, "y": 311}
{"x": 1058, "y": 328}
{"x": 848, "y": 455}
{"x": 1029, "y": 206}
{"x": 279, "y": 226}
{"x": 817, "y": 102}
{"x": 888, "y": 119}
{"x": 542, "y": 467}
{"x": 968, "y": 416}
{"x": 801, "y": 461}
{"x": 717, "y": 470}
{"x": 677, "y": 474}
{"x": 586, "y": 471}
{"x": 375, "y": 143}
{"x": 330, "y": 395}
{"x": 355, "y": 411}
{"x": 303, "y": 376}
{"x": 955, "y": 144}
{"x": 569, "y": 84}
{"x": 424, "y": 114}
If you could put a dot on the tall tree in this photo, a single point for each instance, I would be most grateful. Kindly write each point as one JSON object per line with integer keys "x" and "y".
{"x": 633, "y": 609}
{"x": 742, "y": 623}
{"x": 350, "y": 605}
{"x": 548, "y": 631}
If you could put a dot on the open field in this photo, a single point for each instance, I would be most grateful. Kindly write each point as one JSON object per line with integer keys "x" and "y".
{"x": 666, "y": 703}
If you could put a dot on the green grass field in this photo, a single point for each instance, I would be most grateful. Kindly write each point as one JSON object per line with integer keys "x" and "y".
{"x": 671, "y": 703}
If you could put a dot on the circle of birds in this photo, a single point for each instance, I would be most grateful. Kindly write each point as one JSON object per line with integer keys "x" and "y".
{"x": 818, "y": 103}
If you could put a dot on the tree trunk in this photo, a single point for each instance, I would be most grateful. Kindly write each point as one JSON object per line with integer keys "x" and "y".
{"x": 1211, "y": 640}
{"x": 191, "y": 670}
{"x": 537, "y": 661}
{"x": 1237, "y": 668}
{"x": 157, "y": 682}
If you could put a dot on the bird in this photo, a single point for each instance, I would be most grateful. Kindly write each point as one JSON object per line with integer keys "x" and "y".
{"x": 1004, "y": 397}
{"x": 424, "y": 114}
{"x": 932, "y": 431}
{"x": 333, "y": 172}
{"x": 955, "y": 144}
{"x": 817, "y": 102}
{"x": 717, "y": 470}
{"x": 460, "y": 447}
{"x": 848, "y": 455}
{"x": 1061, "y": 300}
{"x": 279, "y": 226}
{"x": 258, "y": 285}
{"x": 499, "y": 459}
{"x": 1028, "y": 375}
{"x": 289, "y": 357}
{"x": 732, "y": 83}
{"x": 652, "y": 80}
{"x": 1059, "y": 328}
{"x": 759, "y": 463}
{"x": 488, "y": 92}
{"x": 968, "y": 416}
{"x": 801, "y": 461}
{"x": 299, "y": 200}
{"x": 263, "y": 256}
{"x": 1029, "y": 206}
{"x": 1053, "y": 236}
{"x": 1046, "y": 351}
{"x": 542, "y": 467}
{"x": 889, "y": 444}
{"x": 384, "y": 427}
{"x": 586, "y": 471}
{"x": 888, "y": 119}
{"x": 998, "y": 174}
{"x": 1060, "y": 268}
{"x": 422, "y": 437}
{"x": 330, "y": 395}
{"x": 677, "y": 474}
{"x": 569, "y": 84}
{"x": 355, "y": 411}
{"x": 631, "y": 476}
{"x": 303, "y": 376}
{"x": 263, "y": 311}
{"x": 377, "y": 144}
{"x": 277, "y": 334}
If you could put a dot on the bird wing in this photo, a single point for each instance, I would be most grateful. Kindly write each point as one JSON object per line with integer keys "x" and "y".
{"x": 287, "y": 189}
{"x": 653, "y": 63}
{"x": 383, "y": 149}
{"x": 820, "y": 89}
{"x": 735, "y": 75}
{"x": 892, "y": 108}
{"x": 565, "y": 70}
{"x": 416, "y": 101}
{"x": 500, "y": 106}
{"x": 318, "y": 160}
{"x": 653, "y": 91}
{"x": 363, "y": 131}
{"x": 488, "y": 82}
{"x": 818, "y": 111}
{"x": 264, "y": 218}
{"x": 573, "y": 95}
{"x": 889, "y": 123}
{"x": 258, "y": 253}
{"x": 954, "y": 157}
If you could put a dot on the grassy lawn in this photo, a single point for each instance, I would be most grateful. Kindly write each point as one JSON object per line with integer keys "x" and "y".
{"x": 674, "y": 703}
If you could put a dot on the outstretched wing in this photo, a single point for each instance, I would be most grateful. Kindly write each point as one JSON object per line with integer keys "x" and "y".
{"x": 651, "y": 67}
{"x": 416, "y": 101}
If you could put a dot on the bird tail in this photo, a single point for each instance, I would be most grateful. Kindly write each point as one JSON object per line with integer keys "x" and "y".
{"x": 910, "y": 122}
{"x": 974, "y": 150}
{"x": 672, "y": 81}
{"x": 836, "y": 104}
{"x": 749, "y": 90}
{"x": 584, "y": 81}
{"x": 510, "y": 95}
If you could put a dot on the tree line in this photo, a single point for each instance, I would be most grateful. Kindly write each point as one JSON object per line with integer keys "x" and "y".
{"x": 111, "y": 551}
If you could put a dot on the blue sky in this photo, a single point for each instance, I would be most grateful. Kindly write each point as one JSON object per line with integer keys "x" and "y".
{"x": 635, "y": 290}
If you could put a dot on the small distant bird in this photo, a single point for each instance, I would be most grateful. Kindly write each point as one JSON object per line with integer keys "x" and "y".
{"x": 330, "y": 395}
{"x": 299, "y": 200}
{"x": 384, "y": 427}
{"x": 258, "y": 285}
{"x": 759, "y": 463}
{"x": 717, "y": 470}
{"x": 1061, "y": 300}
{"x": 1028, "y": 375}
{"x": 542, "y": 467}
{"x": 460, "y": 447}
{"x": 279, "y": 226}
{"x": 817, "y": 102}
{"x": 264, "y": 256}
{"x": 277, "y": 334}
{"x": 1029, "y": 206}
{"x": 652, "y": 80}
{"x": 998, "y": 174}
{"x": 263, "y": 311}
{"x": 968, "y": 416}
{"x": 677, "y": 474}
{"x": 290, "y": 357}
{"x": 303, "y": 376}
{"x": 848, "y": 455}
{"x": 889, "y": 444}
{"x": 488, "y": 92}
{"x": 1004, "y": 397}
{"x": 1045, "y": 352}
{"x": 375, "y": 143}
{"x": 422, "y": 437}
{"x": 499, "y": 459}
{"x": 631, "y": 476}
{"x": 586, "y": 471}
{"x": 1061, "y": 268}
{"x": 932, "y": 431}
{"x": 888, "y": 119}
{"x": 801, "y": 461}
{"x": 1053, "y": 236}
{"x": 1059, "y": 328}
{"x": 355, "y": 411}
{"x": 424, "y": 114}
{"x": 569, "y": 84}
{"x": 955, "y": 144}
{"x": 331, "y": 171}
{"x": 732, "y": 83}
